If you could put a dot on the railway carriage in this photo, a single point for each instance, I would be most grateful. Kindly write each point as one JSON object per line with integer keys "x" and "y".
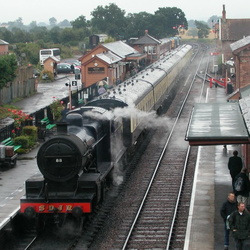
{"x": 77, "y": 163}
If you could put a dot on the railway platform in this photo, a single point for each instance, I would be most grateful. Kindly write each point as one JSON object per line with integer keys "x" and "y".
{"x": 212, "y": 183}
{"x": 205, "y": 229}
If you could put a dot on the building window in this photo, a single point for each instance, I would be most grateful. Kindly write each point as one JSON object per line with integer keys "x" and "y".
{"x": 96, "y": 70}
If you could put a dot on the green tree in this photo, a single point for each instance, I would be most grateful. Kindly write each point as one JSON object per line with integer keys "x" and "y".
{"x": 109, "y": 19}
{"x": 167, "y": 21}
{"x": 55, "y": 35}
{"x": 6, "y": 35}
{"x": 203, "y": 29}
{"x": 67, "y": 35}
{"x": 52, "y": 21}
{"x": 192, "y": 32}
{"x": 31, "y": 51}
{"x": 21, "y": 35}
{"x": 8, "y": 67}
{"x": 138, "y": 23}
{"x": 40, "y": 33}
{"x": 65, "y": 23}
{"x": 79, "y": 23}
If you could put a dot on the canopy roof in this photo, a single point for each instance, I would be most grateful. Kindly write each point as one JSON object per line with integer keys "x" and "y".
{"x": 216, "y": 124}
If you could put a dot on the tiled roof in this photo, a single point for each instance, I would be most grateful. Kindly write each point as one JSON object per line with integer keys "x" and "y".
{"x": 147, "y": 39}
{"x": 109, "y": 57}
{"x": 240, "y": 43}
{"x": 234, "y": 29}
{"x": 120, "y": 48}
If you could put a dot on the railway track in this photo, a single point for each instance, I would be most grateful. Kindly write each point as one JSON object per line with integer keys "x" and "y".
{"x": 149, "y": 210}
{"x": 155, "y": 216}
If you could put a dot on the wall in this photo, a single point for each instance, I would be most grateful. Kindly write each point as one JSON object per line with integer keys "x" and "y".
{"x": 23, "y": 85}
{"x": 4, "y": 49}
{"x": 89, "y": 79}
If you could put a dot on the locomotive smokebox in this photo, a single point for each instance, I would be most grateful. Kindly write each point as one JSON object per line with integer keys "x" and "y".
{"x": 62, "y": 158}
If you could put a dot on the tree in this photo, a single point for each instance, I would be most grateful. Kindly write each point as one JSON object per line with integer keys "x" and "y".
{"x": 138, "y": 23}
{"x": 40, "y": 33}
{"x": 203, "y": 29}
{"x": 192, "y": 32}
{"x": 21, "y": 35}
{"x": 6, "y": 35}
{"x": 32, "y": 25}
{"x": 67, "y": 35}
{"x": 31, "y": 52}
{"x": 167, "y": 22}
{"x": 80, "y": 22}
{"x": 52, "y": 21}
{"x": 65, "y": 23}
{"x": 109, "y": 19}
{"x": 8, "y": 67}
{"x": 55, "y": 34}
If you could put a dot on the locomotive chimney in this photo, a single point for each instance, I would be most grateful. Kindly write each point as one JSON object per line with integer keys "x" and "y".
{"x": 61, "y": 128}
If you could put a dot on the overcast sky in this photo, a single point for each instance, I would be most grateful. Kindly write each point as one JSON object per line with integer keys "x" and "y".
{"x": 43, "y": 10}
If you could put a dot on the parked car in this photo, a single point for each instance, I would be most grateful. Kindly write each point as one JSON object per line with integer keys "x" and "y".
{"x": 64, "y": 68}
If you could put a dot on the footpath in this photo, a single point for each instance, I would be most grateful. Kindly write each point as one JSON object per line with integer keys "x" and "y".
{"x": 46, "y": 93}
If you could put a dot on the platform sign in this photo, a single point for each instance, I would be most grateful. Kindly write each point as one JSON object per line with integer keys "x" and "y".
{"x": 74, "y": 83}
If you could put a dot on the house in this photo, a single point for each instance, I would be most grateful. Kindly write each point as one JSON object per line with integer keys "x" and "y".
{"x": 152, "y": 47}
{"x": 50, "y": 64}
{"x": 108, "y": 61}
{"x": 4, "y": 47}
{"x": 230, "y": 31}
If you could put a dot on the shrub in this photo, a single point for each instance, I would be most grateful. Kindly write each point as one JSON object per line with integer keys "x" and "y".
{"x": 22, "y": 151}
{"x": 22, "y": 140}
{"x": 31, "y": 132}
{"x": 46, "y": 76}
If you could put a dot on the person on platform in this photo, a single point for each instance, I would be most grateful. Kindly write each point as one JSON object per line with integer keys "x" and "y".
{"x": 234, "y": 165}
{"x": 242, "y": 186}
{"x": 239, "y": 223}
{"x": 228, "y": 207}
{"x": 101, "y": 90}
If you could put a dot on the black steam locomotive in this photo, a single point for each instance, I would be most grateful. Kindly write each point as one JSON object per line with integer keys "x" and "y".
{"x": 77, "y": 164}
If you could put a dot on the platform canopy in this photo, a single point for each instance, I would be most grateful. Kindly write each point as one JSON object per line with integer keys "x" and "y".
{"x": 216, "y": 124}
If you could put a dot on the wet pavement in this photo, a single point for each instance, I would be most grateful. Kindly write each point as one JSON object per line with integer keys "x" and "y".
{"x": 46, "y": 93}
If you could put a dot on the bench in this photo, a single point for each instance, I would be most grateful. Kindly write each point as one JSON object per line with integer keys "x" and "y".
{"x": 46, "y": 121}
{"x": 9, "y": 142}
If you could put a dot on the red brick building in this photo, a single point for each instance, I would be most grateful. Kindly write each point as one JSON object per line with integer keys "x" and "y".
{"x": 4, "y": 47}
{"x": 241, "y": 58}
{"x": 230, "y": 31}
{"x": 109, "y": 61}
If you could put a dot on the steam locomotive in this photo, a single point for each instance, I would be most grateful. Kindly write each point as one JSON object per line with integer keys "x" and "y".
{"x": 77, "y": 163}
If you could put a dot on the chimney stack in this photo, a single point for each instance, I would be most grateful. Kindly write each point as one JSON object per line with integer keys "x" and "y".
{"x": 224, "y": 13}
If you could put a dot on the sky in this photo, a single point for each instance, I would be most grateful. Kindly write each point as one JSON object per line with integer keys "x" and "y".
{"x": 43, "y": 10}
